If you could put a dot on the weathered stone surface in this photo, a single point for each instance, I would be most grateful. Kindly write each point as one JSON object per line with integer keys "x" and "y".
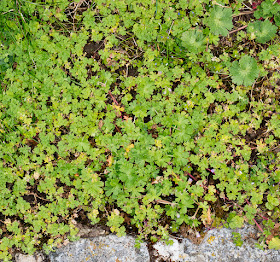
{"x": 217, "y": 246}
{"x": 26, "y": 258}
{"x": 102, "y": 249}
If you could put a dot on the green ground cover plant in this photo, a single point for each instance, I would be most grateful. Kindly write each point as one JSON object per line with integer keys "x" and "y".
{"x": 156, "y": 117}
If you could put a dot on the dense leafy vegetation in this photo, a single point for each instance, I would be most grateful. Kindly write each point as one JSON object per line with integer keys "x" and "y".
{"x": 153, "y": 115}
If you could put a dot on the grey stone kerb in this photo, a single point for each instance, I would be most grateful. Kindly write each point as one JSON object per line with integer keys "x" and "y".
{"x": 217, "y": 246}
{"x": 103, "y": 248}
